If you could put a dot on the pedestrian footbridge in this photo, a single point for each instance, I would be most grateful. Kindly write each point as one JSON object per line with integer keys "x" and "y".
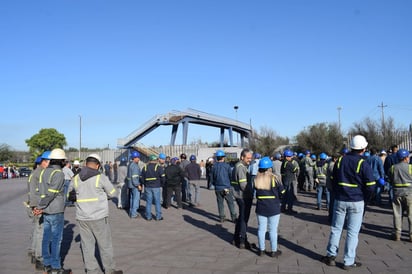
{"x": 190, "y": 116}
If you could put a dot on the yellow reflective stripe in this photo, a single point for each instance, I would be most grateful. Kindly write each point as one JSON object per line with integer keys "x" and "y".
{"x": 42, "y": 196}
{"x": 242, "y": 180}
{"x": 75, "y": 181}
{"x": 346, "y": 184}
{"x": 234, "y": 183}
{"x": 283, "y": 191}
{"x": 41, "y": 176}
{"x": 97, "y": 180}
{"x": 371, "y": 183}
{"x": 87, "y": 200}
{"x": 30, "y": 177}
{"x": 134, "y": 176}
{"x": 266, "y": 197}
{"x": 113, "y": 191}
{"x": 402, "y": 185}
{"x": 359, "y": 165}
{"x": 150, "y": 179}
{"x": 410, "y": 169}
{"x": 339, "y": 160}
{"x": 53, "y": 190}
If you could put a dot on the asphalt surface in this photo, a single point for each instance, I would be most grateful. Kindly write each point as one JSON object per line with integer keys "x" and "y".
{"x": 192, "y": 240}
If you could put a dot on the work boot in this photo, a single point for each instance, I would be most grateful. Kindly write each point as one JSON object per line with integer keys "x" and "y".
{"x": 396, "y": 237}
{"x": 47, "y": 269}
{"x": 39, "y": 265}
{"x": 328, "y": 260}
{"x": 275, "y": 254}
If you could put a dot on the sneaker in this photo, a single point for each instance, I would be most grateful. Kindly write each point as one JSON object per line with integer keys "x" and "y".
{"x": 354, "y": 265}
{"x": 328, "y": 260}
{"x": 275, "y": 254}
{"x": 159, "y": 219}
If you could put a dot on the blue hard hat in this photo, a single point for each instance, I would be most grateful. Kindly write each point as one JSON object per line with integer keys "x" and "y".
{"x": 402, "y": 153}
{"x": 287, "y": 153}
{"x": 366, "y": 154}
{"x": 123, "y": 159}
{"x": 265, "y": 162}
{"x": 135, "y": 154}
{"x": 38, "y": 160}
{"x": 46, "y": 155}
{"x": 278, "y": 156}
{"x": 323, "y": 156}
{"x": 381, "y": 181}
{"x": 192, "y": 158}
{"x": 220, "y": 153}
{"x": 307, "y": 151}
{"x": 257, "y": 155}
{"x": 345, "y": 150}
{"x": 162, "y": 156}
{"x": 313, "y": 156}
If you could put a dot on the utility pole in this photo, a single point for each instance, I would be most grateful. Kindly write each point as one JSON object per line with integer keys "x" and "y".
{"x": 339, "y": 124}
{"x": 80, "y": 137}
{"x": 383, "y": 116}
{"x": 237, "y": 135}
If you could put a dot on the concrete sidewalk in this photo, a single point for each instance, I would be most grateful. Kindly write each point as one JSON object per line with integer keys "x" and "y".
{"x": 193, "y": 240}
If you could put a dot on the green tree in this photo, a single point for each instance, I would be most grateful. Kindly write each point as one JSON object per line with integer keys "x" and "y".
{"x": 266, "y": 141}
{"x": 5, "y": 153}
{"x": 45, "y": 139}
{"x": 322, "y": 137}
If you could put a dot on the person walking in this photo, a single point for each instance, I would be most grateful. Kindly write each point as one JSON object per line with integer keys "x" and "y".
{"x": 269, "y": 190}
{"x": 321, "y": 173}
{"x": 353, "y": 184}
{"x": 92, "y": 214}
{"x": 193, "y": 173}
{"x": 220, "y": 179}
{"x": 243, "y": 193}
{"x": 122, "y": 186}
{"x": 400, "y": 177}
{"x": 135, "y": 187}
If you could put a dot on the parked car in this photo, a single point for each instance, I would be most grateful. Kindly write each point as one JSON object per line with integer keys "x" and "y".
{"x": 24, "y": 172}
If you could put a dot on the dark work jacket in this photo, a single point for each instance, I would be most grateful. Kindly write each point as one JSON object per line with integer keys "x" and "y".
{"x": 174, "y": 175}
{"x": 152, "y": 175}
{"x": 268, "y": 201}
{"x": 220, "y": 175}
{"x": 353, "y": 179}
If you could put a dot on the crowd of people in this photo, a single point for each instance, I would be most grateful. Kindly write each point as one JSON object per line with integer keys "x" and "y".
{"x": 348, "y": 181}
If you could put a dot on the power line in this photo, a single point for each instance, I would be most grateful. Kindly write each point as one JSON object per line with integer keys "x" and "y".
{"x": 382, "y": 112}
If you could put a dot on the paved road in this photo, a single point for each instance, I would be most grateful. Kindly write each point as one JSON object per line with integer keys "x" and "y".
{"x": 193, "y": 241}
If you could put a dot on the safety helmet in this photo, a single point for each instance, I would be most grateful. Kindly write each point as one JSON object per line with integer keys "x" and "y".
{"x": 257, "y": 155}
{"x": 381, "y": 181}
{"x": 95, "y": 156}
{"x": 38, "y": 160}
{"x": 162, "y": 156}
{"x": 402, "y": 154}
{"x": 301, "y": 155}
{"x": 220, "y": 153}
{"x": 135, "y": 154}
{"x": 192, "y": 158}
{"x": 313, "y": 156}
{"x": 358, "y": 142}
{"x": 366, "y": 154}
{"x": 278, "y": 156}
{"x": 174, "y": 160}
{"x": 345, "y": 150}
{"x": 76, "y": 162}
{"x": 46, "y": 155}
{"x": 383, "y": 152}
{"x": 123, "y": 159}
{"x": 307, "y": 151}
{"x": 287, "y": 153}
{"x": 57, "y": 154}
{"x": 152, "y": 157}
{"x": 323, "y": 156}
{"x": 265, "y": 162}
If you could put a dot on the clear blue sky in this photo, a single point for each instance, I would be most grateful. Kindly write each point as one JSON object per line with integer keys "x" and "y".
{"x": 287, "y": 64}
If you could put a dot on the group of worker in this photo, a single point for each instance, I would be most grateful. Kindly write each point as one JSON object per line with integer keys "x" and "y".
{"x": 272, "y": 181}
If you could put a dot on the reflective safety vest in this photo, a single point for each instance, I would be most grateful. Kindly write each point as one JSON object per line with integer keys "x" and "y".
{"x": 261, "y": 197}
{"x": 51, "y": 190}
{"x": 357, "y": 171}
{"x": 402, "y": 185}
{"x": 90, "y": 199}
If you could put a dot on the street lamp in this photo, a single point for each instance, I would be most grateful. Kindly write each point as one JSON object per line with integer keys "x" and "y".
{"x": 237, "y": 135}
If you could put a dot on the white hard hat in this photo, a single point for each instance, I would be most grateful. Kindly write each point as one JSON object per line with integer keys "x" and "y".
{"x": 57, "y": 154}
{"x": 95, "y": 156}
{"x": 358, "y": 142}
{"x": 76, "y": 162}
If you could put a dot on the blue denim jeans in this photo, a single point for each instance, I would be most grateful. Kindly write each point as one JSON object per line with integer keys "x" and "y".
{"x": 353, "y": 212}
{"x": 268, "y": 224}
{"x": 52, "y": 238}
{"x": 153, "y": 194}
{"x": 134, "y": 202}
{"x": 320, "y": 189}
